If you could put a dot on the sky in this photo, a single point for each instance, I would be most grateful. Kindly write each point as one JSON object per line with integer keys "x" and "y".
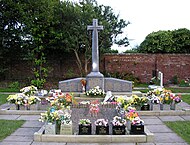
{"x": 147, "y": 16}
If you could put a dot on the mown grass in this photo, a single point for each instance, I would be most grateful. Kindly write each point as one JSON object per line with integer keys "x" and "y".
{"x": 186, "y": 98}
{"x": 3, "y": 98}
{"x": 9, "y": 90}
{"x": 8, "y": 127}
{"x": 182, "y": 128}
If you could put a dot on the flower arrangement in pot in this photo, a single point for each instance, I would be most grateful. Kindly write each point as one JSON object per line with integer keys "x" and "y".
{"x": 96, "y": 91}
{"x": 25, "y": 98}
{"x": 137, "y": 126}
{"x": 118, "y": 126}
{"x": 102, "y": 127}
{"x": 85, "y": 127}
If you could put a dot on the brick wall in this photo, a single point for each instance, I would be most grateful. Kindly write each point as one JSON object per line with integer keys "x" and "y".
{"x": 144, "y": 65}
{"x": 140, "y": 65}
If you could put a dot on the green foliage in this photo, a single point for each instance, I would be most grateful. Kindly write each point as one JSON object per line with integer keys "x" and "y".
{"x": 186, "y": 98}
{"x": 182, "y": 128}
{"x": 174, "y": 80}
{"x": 3, "y": 98}
{"x": 41, "y": 28}
{"x": 14, "y": 85}
{"x": 183, "y": 83}
{"x": 176, "y": 41}
{"x": 8, "y": 127}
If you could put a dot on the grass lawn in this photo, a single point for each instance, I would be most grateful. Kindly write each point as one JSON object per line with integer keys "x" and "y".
{"x": 9, "y": 90}
{"x": 182, "y": 128}
{"x": 8, "y": 127}
{"x": 3, "y": 98}
{"x": 186, "y": 98}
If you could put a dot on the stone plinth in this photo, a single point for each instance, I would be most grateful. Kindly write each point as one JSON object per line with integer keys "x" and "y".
{"x": 71, "y": 85}
{"x": 107, "y": 84}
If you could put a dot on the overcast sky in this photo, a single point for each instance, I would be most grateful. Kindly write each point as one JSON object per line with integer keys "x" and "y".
{"x": 147, "y": 16}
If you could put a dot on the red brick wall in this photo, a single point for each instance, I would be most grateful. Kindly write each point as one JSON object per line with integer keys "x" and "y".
{"x": 140, "y": 65}
{"x": 143, "y": 65}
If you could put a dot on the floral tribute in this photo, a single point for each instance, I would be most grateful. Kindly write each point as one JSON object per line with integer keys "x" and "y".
{"x": 85, "y": 122}
{"x": 118, "y": 121}
{"x": 83, "y": 83}
{"x": 163, "y": 96}
{"x": 101, "y": 122}
{"x": 26, "y": 97}
{"x": 60, "y": 100}
{"x": 94, "y": 108}
{"x": 50, "y": 116}
{"x": 96, "y": 91}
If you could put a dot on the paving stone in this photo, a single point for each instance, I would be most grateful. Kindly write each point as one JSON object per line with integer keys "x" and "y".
{"x": 145, "y": 144}
{"x": 84, "y": 144}
{"x": 17, "y": 138}
{"x": 29, "y": 117}
{"x": 167, "y": 138}
{"x": 186, "y": 118}
{"x": 158, "y": 128}
{"x": 9, "y": 117}
{"x": 33, "y": 123}
{"x": 148, "y": 121}
{"x": 116, "y": 144}
{"x": 48, "y": 143}
{"x": 171, "y": 118}
{"x": 14, "y": 143}
{"x": 172, "y": 144}
{"x": 26, "y": 131}
{"x": 149, "y": 117}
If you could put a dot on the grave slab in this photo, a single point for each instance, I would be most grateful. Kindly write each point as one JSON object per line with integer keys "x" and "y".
{"x": 167, "y": 138}
{"x": 9, "y": 117}
{"x": 29, "y": 117}
{"x": 186, "y": 118}
{"x": 172, "y": 144}
{"x": 19, "y": 138}
{"x": 171, "y": 118}
{"x": 15, "y": 143}
{"x": 152, "y": 121}
{"x": 26, "y": 131}
{"x": 33, "y": 124}
{"x": 48, "y": 143}
{"x": 158, "y": 128}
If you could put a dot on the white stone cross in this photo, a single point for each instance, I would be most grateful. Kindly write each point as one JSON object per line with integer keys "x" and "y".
{"x": 95, "y": 51}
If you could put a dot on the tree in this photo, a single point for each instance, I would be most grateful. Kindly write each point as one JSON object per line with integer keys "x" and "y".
{"x": 176, "y": 41}
{"x": 10, "y": 33}
{"x": 74, "y": 19}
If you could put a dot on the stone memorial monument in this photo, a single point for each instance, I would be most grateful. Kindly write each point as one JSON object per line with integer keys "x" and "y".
{"x": 95, "y": 78}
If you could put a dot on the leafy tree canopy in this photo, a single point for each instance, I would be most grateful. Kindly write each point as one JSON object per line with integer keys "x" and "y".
{"x": 176, "y": 41}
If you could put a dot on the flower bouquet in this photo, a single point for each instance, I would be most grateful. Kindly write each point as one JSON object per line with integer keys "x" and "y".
{"x": 175, "y": 100}
{"x": 50, "y": 117}
{"x": 102, "y": 127}
{"x": 118, "y": 126}
{"x": 96, "y": 91}
{"x": 66, "y": 122}
{"x": 85, "y": 127}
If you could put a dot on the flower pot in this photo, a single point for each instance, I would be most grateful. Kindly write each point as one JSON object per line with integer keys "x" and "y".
{"x": 118, "y": 130}
{"x": 145, "y": 107}
{"x": 172, "y": 106}
{"x": 66, "y": 129}
{"x": 137, "y": 129}
{"x": 154, "y": 106}
{"x": 85, "y": 129}
{"x": 102, "y": 130}
{"x": 17, "y": 106}
{"x": 128, "y": 125}
{"x": 164, "y": 107}
{"x": 50, "y": 128}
